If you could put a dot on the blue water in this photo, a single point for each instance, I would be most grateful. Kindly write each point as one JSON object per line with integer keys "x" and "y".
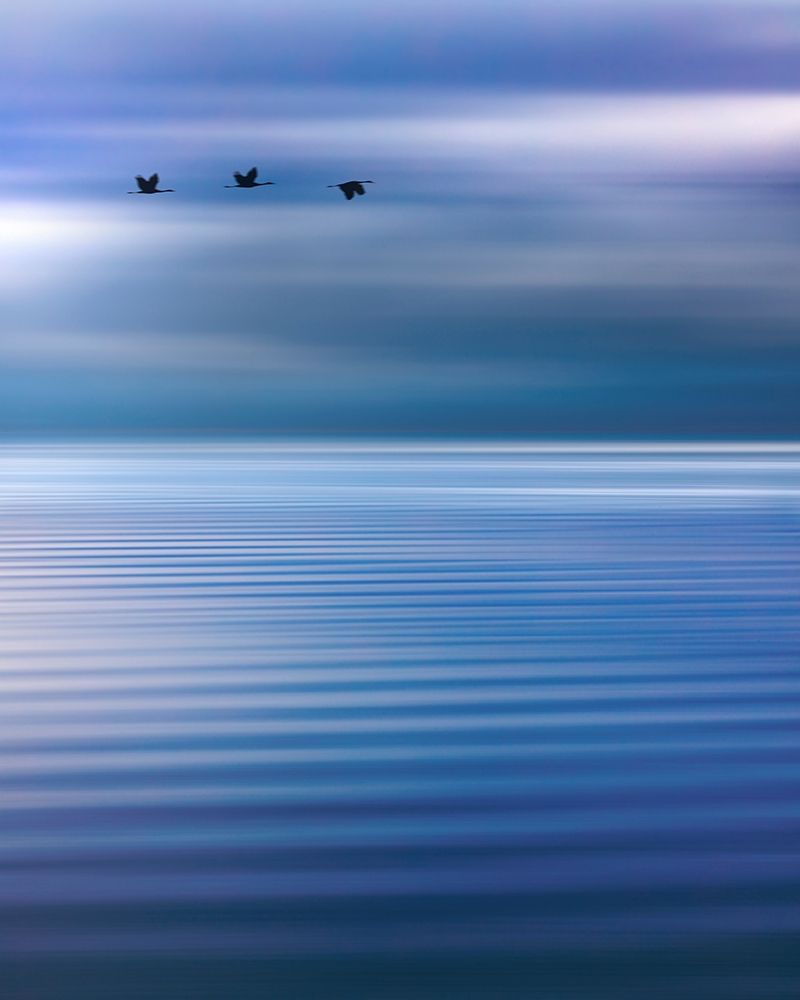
{"x": 338, "y": 721}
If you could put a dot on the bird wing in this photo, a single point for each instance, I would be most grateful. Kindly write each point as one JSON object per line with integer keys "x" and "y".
{"x": 142, "y": 183}
{"x": 238, "y": 176}
{"x": 358, "y": 188}
{"x": 252, "y": 173}
{"x": 153, "y": 179}
{"x": 347, "y": 191}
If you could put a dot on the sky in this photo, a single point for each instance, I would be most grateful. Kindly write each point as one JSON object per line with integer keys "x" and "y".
{"x": 585, "y": 220}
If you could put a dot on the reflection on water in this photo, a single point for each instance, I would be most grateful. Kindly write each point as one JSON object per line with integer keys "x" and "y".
{"x": 364, "y": 722}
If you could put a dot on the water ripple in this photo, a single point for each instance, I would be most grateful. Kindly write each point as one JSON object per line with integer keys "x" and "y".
{"x": 508, "y": 707}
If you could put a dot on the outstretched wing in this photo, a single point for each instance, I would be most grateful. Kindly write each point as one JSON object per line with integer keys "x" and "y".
{"x": 238, "y": 176}
{"x": 142, "y": 183}
{"x": 358, "y": 188}
{"x": 347, "y": 191}
{"x": 252, "y": 173}
{"x": 153, "y": 179}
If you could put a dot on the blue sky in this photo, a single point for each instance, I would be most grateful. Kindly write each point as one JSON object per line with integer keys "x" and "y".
{"x": 585, "y": 218}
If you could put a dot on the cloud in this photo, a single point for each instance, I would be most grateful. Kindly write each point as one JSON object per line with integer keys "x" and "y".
{"x": 574, "y": 43}
{"x": 613, "y": 237}
{"x": 443, "y": 148}
{"x": 153, "y": 350}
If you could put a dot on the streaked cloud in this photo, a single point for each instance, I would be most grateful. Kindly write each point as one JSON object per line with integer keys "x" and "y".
{"x": 151, "y": 349}
{"x": 556, "y": 131}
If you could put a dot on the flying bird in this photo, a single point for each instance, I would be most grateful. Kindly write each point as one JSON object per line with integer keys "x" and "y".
{"x": 248, "y": 180}
{"x": 349, "y": 188}
{"x": 149, "y": 185}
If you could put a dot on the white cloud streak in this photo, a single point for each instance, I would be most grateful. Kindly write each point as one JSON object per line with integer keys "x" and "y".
{"x": 660, "y": 245}
{"x": 514, "y": 133}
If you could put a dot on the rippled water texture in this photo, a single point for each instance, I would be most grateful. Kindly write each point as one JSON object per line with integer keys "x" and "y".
{"x": 362, "y": 722}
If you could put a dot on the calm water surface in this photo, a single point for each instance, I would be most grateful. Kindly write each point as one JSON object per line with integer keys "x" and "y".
{"x": 341, "y": 722}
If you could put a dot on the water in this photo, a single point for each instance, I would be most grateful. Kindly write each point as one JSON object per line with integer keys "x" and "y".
{"x": 337, "y": 721}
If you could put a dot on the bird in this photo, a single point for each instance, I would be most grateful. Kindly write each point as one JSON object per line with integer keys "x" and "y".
{"x": 349, "y": 188}
{"x": 149, "y": 185}
{"x": 248, "y": 180}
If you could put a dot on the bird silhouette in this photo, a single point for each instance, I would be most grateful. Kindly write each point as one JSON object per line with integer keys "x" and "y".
{"x": 349, "y": 188}
{"x": 149, "y": 185}
{"x": 248, "y": 180}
